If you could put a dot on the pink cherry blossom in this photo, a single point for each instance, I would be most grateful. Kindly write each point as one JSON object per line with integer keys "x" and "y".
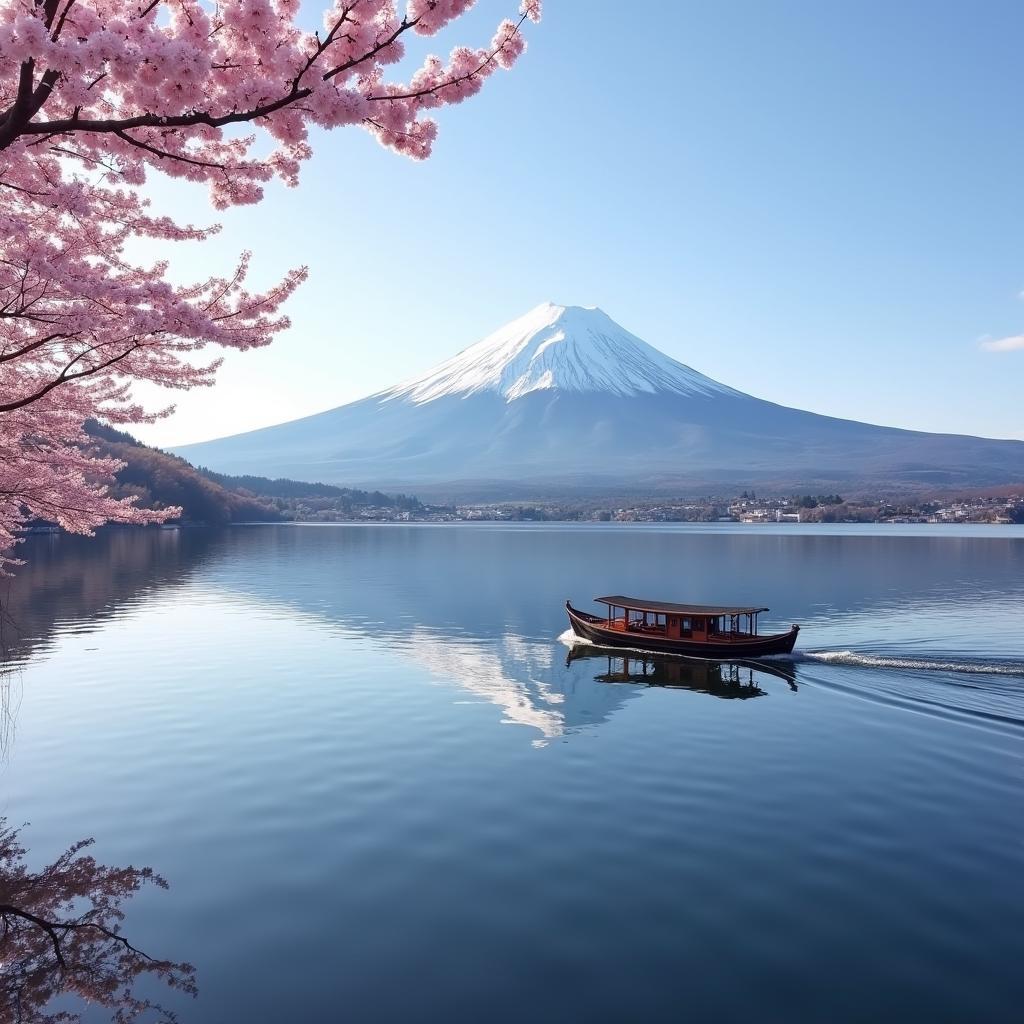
{"x": 94, "y": 96}
{"x": 61, "y": 940}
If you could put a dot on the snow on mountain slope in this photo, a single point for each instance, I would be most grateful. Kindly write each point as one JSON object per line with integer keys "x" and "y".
{"x": 566, "y": 348}
{"x": 564, "y": 397}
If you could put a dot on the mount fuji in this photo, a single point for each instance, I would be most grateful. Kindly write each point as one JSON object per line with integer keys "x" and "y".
{"x": 564, "y": 399}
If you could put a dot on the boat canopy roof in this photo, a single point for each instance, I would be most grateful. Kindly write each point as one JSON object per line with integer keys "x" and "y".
{"x": 641, "y": 604}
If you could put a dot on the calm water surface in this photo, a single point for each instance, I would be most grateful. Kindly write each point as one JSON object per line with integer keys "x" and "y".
{"x": 381, "y": 793}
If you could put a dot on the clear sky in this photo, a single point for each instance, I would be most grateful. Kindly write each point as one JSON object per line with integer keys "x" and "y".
{"x": 819, "y": 204}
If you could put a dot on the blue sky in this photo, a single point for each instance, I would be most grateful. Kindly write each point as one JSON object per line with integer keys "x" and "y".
{"x": 820, "y": 204}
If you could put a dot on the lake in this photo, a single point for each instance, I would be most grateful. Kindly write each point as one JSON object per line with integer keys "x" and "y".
{"x": 382, "y": 791}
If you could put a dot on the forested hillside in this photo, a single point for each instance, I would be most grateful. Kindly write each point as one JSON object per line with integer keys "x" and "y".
{"x": 160, "y": 479}
{"x": 292, "y": 495}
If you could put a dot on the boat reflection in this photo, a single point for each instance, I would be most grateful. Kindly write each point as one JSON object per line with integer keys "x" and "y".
{"x": 727, "y": 679}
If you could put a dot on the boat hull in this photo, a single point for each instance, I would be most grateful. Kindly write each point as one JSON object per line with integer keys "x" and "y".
{"x": 591, "y": 627}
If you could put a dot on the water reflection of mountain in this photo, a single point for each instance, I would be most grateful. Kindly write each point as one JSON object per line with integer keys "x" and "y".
{"x": 481, "y": 606}
{"x": 525, "y": 678}
{"x": 451, "y": 600}
{"x": 75, "y": 584}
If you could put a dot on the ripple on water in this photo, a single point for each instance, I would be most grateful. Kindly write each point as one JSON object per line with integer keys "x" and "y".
{"x": 376, "y": 785}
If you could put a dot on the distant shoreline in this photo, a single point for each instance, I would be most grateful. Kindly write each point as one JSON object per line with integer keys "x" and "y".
{"x": 894, "y": 528}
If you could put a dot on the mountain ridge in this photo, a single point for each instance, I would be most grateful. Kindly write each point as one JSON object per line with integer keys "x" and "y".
{"x": 564, "y": 393}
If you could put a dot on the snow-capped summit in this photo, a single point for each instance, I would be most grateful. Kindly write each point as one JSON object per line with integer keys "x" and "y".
{"x": 564, "y": 348}
{"x": 565, "y": 398}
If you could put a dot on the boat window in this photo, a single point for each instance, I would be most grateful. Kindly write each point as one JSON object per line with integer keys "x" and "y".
{"x": 685, "y": 625}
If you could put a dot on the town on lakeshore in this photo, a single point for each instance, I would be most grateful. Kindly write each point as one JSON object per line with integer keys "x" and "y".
{"x": 746, "y": 508}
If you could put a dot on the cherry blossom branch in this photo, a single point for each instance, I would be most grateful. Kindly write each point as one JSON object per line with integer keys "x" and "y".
{"x": 458, "y": 79}
{"x": 95, "y": 96}
{"x": 57, "y": 931}
{"x": 65, "y": 378}
{"x": 60, "y": 936}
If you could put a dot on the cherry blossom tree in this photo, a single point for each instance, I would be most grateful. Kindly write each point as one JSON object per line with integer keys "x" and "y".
{"x": 97, "y": 94}
{"x": 60, "y": 936}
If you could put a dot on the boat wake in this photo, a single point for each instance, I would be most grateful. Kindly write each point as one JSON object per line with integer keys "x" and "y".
{"x": 923, "y": 663}
{"x": 985, "y": 692}
{"x": 570, "y": 639}
{"x": 981, "y": 691}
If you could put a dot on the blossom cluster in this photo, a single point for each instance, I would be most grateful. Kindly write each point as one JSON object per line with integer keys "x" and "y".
{"x": 62, "y": 939}
{"x": 161, "y": 85}
{"x": 94, "y": 95}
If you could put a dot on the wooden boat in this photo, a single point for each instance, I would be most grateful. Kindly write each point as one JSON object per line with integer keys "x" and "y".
{"x": 698, "y": 630}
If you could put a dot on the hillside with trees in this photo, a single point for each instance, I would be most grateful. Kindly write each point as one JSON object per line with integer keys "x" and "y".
{"x": 159, "y": 480}
{"x": 297, "y": 499}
